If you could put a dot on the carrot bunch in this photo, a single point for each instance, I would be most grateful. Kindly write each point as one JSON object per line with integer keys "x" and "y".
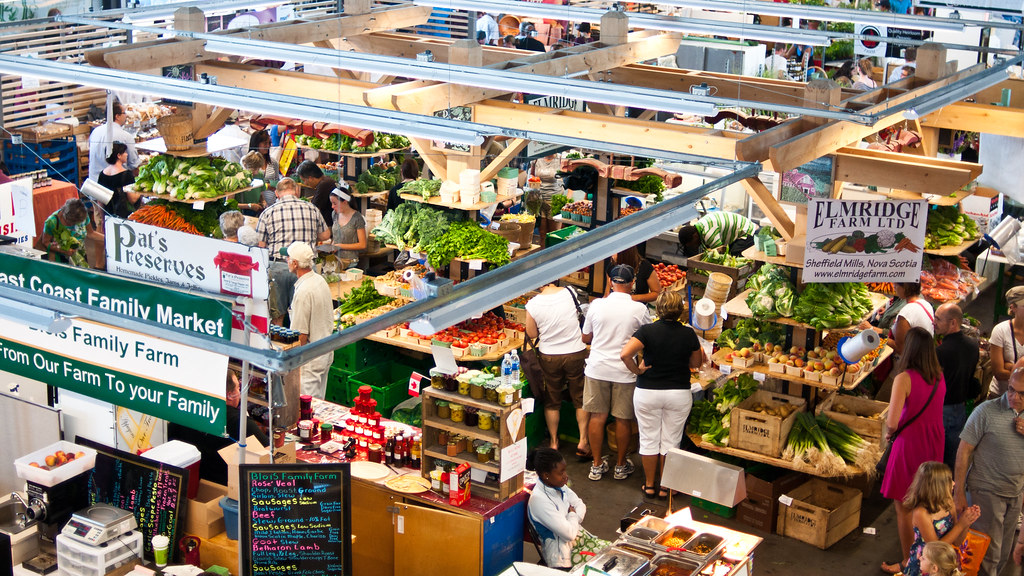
{"x": 155, "y": 215}
{"x": 882, "y": 288}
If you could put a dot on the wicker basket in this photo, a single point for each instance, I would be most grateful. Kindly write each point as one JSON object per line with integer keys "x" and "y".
{"x": 507, "y": 230}
{"x": 176, "y": 130}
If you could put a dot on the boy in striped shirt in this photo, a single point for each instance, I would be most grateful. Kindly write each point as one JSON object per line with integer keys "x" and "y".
{"x": 716, "y": 229}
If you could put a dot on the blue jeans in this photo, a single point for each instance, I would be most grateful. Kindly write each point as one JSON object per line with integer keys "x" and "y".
{"x": 954, "y": 416}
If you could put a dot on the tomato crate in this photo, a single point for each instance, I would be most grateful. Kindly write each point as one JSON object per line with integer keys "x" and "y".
{"x": 559, "y": 236}
{"x": 390, "y": 383}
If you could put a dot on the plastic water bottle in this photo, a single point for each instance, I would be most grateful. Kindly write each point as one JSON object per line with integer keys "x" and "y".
{"x": 515, "y": 366}
{"x": 506, "y": 370}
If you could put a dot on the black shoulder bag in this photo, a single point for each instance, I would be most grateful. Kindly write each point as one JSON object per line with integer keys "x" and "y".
{"x": 884, "y": 461}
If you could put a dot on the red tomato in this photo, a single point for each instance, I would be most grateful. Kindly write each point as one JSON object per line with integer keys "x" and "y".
{"x": 488, "y": 341}
{"x": 459, "y": 344}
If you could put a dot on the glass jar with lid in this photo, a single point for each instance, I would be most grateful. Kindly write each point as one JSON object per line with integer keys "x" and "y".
{"x": 443, "y": 410}
{"x": 458, "y": 412}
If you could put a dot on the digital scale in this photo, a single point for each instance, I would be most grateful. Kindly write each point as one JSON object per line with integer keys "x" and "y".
{"x": 98, "y": 524}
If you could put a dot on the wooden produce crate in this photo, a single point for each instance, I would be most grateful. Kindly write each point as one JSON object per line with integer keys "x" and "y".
{"x": 43, "y": 132}
{"x": 820, "y": 513}
{"x": 762, "y": 433}
{"x": 858, "y": 418}
{"x": 698, "y": 271}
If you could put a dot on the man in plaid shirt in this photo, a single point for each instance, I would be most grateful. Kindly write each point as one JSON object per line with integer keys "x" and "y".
{"x": 287, "y": 220}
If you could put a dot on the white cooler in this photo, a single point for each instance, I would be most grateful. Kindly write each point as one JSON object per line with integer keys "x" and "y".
{"x": 182, "y": 455}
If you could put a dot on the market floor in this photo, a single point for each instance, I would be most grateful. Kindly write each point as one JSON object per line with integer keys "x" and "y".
{"x": 859, "y": 553}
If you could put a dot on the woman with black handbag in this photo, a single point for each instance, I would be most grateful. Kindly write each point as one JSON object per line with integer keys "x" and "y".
{"x": 915, "y": 424}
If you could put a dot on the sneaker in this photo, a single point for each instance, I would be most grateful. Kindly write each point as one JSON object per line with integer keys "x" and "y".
{"x": 623, "y": 472}
{"x": 596, "y": 472}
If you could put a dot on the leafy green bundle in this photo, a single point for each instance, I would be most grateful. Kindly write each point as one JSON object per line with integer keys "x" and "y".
{"x": 948, "y": 226}
{"x": 412, "y": 225}
{"x": 771, "y": 293}
{"x": 424, "y": 188}
{"x": 710, "y": 418}
{"x": 750, "y": 330}
{"x": 833, "y": 305}
{"x": 191, "y": 178}
{"x": 467, "y": 240}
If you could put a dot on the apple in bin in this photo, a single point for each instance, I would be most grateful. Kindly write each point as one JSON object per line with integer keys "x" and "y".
{"x": 745, "y": 353}
{"x": 729, "y": 357}
{"x": 834, "y": 371}
{"x": 799, "y": 363}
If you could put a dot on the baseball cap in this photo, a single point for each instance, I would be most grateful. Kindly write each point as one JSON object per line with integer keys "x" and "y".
{"x": 342, "y": 191}
{"x": 621, "y": 274}
{"x": 1015, "y": 294}
{"x": 300, "y": 252}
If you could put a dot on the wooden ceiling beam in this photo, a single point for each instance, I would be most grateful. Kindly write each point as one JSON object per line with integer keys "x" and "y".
{"x": 903, "y": 171}
{"x": 284, "y": 82}
{"x": 978, "y": 118}
{"x": 153, "y": 55}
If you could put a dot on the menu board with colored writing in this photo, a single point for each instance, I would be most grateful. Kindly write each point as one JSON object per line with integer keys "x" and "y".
{"x": 296, "y": 519}
{"x": 152, "y": 491}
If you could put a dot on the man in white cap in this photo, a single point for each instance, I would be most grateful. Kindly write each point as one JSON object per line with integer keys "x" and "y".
{"x": 312, "y": 315}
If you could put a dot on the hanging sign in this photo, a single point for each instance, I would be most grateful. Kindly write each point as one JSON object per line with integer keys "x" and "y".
{"x": 864, "y": 241}
{"x": 185, "y": 260}
{"x": 868, "y": 47}
{"x": 16, "y": 216}
{"x": 164, "y": 379}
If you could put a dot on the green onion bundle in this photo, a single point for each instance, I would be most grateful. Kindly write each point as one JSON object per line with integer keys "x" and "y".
{"x": 848, "y": 445}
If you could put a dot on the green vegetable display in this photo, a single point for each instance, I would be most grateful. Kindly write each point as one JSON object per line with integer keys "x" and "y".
{"x": 724, "y": 259}
{"x": 948, "y": 226}
{"x": 411, "y": 225}
{"x": 378, "y": 178}
{"x": 771, "y": 293}
{"x": 710, "y": 418}
{"x": 362, "y": 298}
{"x": 833, "y": 305}
{"x": 191, "y": 178}
{"x": 646, "y": 185}
{"x": 557, "y": 202}
{"x": 828, "y": 445}
{"x": 750, "y": 330}
{"x": 468, "y": 241}
{"x": 66, "y": 241}
{"x": 423, "y": 188}
{"x": 207, "y": 220}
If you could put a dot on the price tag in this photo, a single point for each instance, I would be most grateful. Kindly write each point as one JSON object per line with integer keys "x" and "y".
{"x": 870, "y": 530}
{"x": 415, "y": 379}
{"x": 722, "y": 314}
{"x": 725, "y": 369}
{"x": 696, "y": 493}
{"x": 476, "y": 264}
{"x": 759, "y": 377}
{"x": 198, "y": 206}
{"x": 401, "y": 524}
{"x": 785, "y": 500}
{"x": 527, "y": 404}
{"x": 495, "y": 225}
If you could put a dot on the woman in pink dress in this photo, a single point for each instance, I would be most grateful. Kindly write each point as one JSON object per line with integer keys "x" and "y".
{"x": 915, "y": 413}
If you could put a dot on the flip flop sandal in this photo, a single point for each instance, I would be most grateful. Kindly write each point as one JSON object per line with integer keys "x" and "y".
{"x": 648, "y": 491}
{"x": 893, "y": 568}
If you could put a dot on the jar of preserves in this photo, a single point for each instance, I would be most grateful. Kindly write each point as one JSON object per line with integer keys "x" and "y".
{"x": 491, "y": 390}
{"x": 472, "y": 417}
{"x": 442, "y": 437}
{"x": 452, "y": 449}
{"x": 458, "y": 412}
{"x": 305, "y": 407}
{"x": 376, "y": 453}
{"x": 436, "y": 379}
{"x": 483, "y": 453}
{"x": 505, "y": 395}
{"x": 305, "y": 430}
{"x": 476, "y": 388}
{"x": 485, "y": 421}
{"x": 326, "y": 432}
{"x": 463, "y": 387}
{"x": 443, "y": 410}
{"x": 450, "y": 383}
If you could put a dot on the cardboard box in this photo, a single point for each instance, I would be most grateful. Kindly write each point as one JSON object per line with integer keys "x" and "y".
{"x": 985, "y": 207}
{"x": 205, "y": 517}
{"x": 219, "y": 551}
{"x": 762, "y": 433}
{"x": 856, "y": 415}
{"x": 255, "y": 454}
{"x": 458, "y": 485}
{"x": 764, "y": 486}
{"x": 819, "y": 513}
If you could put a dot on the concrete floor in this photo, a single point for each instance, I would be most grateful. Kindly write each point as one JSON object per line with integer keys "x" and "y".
{"x": 858, "y": 553}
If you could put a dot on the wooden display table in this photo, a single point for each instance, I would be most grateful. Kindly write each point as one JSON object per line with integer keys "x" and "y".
{"x": 778, "y": 462}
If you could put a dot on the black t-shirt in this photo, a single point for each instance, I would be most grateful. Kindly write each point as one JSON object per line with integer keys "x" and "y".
{"x": 529, "y": 43}
{"x": 958, "y": 355}
{"x": 643, "y": 274}
{"x": 667, "y": 348}
{"x": 119, "y": 205}
{"x": 322, "y": 198}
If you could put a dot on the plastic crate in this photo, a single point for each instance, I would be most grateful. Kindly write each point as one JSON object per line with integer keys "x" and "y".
{"x": 390, "y": 383}
{"x": 337, "y": 386}
{"x": 79, "y": 559}
{"x": 723, "y": 511}
{"x": 59, "y": 157}
{"x": 360, "y": 355}
{"x": 559, "y": 236}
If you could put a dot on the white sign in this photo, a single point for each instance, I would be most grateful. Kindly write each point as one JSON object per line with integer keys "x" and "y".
{"x": 864, "y": 241}
{"x": 864, "y": 47}
{"x": 1009, "y": 6}
{"x": 185, "y": 260}
{"x": 16, "y": 216}
{"x": 513, "y": 460}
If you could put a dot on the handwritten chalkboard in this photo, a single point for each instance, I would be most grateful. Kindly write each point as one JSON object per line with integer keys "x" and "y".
{"x": 296, "y": 519}
{"x": 153, "y": 491}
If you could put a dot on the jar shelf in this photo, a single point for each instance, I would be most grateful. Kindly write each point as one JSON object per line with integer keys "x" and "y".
{"x": 460, "y": 428}
{"x": 440, "y": 454}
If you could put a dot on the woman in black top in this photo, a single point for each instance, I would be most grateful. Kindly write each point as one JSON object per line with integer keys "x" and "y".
{"x": 116, "y": 177}
{"x": 647, "y": 286}
{"x": 409, "y": 172}
{"x": 662, "y": 398}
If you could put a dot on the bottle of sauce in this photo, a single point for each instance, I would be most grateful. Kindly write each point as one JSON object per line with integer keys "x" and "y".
{"x": 389, "y": 451}
{"x": 417, "y": 449}
{"x": 400, "y": 450}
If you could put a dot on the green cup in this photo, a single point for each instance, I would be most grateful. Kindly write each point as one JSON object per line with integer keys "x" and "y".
{"x": 161, "y": 546}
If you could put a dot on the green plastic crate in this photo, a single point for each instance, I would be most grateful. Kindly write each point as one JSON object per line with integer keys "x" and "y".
{"x": 337, "y": 386}
{"x": 723, "y": 511}
{"x": 390, "y": 383}
{"x": 559, "y": 236}
{"x": 360, "y": 355}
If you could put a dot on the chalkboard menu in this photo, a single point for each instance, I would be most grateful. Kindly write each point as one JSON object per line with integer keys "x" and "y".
{"x": 296, "y": 519}
{"x": 154, "y": 492}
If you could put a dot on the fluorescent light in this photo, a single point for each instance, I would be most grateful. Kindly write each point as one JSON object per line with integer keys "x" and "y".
{"x": 826, "y": 13}
{"x": 666, "y": 100}
{"x": 166, "y": 12}
{"x": 413, "y": 125}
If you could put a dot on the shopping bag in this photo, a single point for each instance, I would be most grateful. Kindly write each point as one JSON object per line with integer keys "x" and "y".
{"x": 972, "y": 552}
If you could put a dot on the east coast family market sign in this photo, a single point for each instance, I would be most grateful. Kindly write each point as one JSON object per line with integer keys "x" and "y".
{"x": 164, "y": 379}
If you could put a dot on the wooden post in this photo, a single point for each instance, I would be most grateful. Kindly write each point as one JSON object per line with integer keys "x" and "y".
{"x": 357, "y": 6}
{"x": 931, "y": 62}
{"x": 192, "y": 19}
{"x": 465, "y": 52}
{"x": 821, "y": 93}
{"x": 614, "y": 28}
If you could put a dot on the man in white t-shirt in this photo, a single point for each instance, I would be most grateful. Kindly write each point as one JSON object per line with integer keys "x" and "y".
{"x": 489, "y": 26}
{"x": 611, "y": 322}
{"x": 312, "y": 316}
{"x": 100, "y": 143}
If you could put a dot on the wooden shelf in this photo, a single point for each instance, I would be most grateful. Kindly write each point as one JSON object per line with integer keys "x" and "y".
{"x": 952, "y": 250}
{"x": 933, "y": 199}
{"x": 381, "y": 152}
{"x": 484, "y": 405}
{"x": 416, "y": 347}
{"x": 778, "y": 462}
{"x": 200, "y": 150}
{"x": 463, "y": 430}
{"x": 463, "y": 457}
{"x": 571, "y": 222}
{"x": 754, "y": 254}
{"x": 738, "y": 307}
{"x": 436, "y": 201}
{"x": 719, "y": 358}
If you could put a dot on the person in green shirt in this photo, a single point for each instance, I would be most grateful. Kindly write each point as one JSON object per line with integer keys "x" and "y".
{"x": 64, "y": 234}
{"x": 713, "y": 231}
